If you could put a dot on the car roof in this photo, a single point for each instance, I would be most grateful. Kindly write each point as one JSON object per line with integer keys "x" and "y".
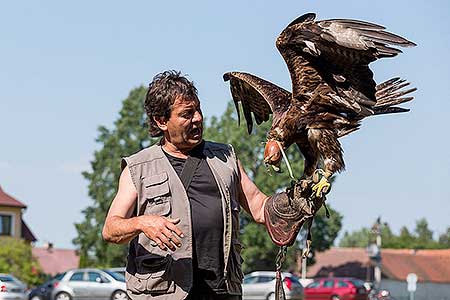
{"x": 84, "y": 270}
{"x": 267, "y": 273}
{"x": 336, "y": 278}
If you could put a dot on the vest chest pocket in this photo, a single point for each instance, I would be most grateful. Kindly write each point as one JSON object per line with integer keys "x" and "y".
{"x": 157, "y": 195}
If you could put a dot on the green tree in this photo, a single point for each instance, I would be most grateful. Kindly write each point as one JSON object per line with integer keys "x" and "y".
{"x": 359, "y": 238}
{"x": 129, "y": 135}
{"x": 421, "y": 238}
{"x": 259, "y": 251}
{"x": 444, "y": 239}
{"x": 424, "y": 236}
{"x": 16, "y": 258}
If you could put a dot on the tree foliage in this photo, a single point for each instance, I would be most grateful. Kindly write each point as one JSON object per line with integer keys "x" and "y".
{"x": 130, "y": 135}
{"x": 420, "y": 238}
{"x": 16, "y": 258}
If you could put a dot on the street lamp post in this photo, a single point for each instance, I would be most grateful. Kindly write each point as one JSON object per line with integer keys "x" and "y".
{"x": 375, "y": 252}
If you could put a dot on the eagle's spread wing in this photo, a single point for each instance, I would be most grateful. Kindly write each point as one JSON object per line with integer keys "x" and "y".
{"x": 257, "y": 96}
{"x": 328, "y": 61}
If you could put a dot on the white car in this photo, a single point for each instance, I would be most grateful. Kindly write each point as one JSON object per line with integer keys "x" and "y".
{"x": 260, "y": 285}
{"x": 11, "y": 288}
{"x": 90, "y": 283}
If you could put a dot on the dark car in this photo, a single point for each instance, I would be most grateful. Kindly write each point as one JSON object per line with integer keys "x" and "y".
{"x": 44, "y": 291}
{"x": 336, "y": 288}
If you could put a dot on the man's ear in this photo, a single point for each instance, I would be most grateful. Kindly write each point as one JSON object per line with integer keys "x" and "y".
{"x": 161, "y": 123}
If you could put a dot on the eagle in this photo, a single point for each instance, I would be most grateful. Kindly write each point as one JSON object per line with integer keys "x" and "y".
{"x": 333, "y": 90}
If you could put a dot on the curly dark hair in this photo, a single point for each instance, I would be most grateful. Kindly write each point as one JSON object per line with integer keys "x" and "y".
{"x": 161, "y": 95}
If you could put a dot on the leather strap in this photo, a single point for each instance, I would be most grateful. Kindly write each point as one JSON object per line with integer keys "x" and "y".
{"x": 188, "y": 171}
{"x": 191, "y": 165}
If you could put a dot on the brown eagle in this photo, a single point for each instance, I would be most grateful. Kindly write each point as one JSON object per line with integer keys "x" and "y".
{"x": 332, "y": 90}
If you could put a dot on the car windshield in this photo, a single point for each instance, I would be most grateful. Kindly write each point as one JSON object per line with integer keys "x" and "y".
{"x": 357, "y": 283}
{"x": 115, "y": 275}
{"x": 6, "y": 278}
{"x": 59, "y": 276}
{"x": 294, "y": 279}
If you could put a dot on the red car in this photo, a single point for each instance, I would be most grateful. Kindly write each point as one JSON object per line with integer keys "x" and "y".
{"x": 337, "y": 288}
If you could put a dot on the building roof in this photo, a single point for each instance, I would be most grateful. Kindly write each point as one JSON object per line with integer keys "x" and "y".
{"x": 53, "y": 261}
{"x": 7, "y": 200}
{"x": 26, "y": 234}
{"x": 429, "y": 265}
{"x": 342, "y": 262}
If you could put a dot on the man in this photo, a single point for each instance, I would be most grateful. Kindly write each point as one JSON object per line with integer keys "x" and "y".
{"x": 178, "y": 204}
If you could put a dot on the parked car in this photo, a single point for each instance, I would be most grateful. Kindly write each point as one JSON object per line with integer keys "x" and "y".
{"x": 44, "y": 291}
{"x": 89, "y": 283}
{"x": 336, "y": 288}
{"x": 11, "y": 288}
{"x": 260, "y": 285}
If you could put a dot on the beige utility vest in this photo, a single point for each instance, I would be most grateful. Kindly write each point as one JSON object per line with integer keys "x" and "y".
{"x": 153, "y": 273}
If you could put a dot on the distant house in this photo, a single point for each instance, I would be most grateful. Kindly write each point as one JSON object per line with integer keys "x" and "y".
{"x": 11, "y": 221}
{"x": 431, "y": 266}
{"x": 54, "y": 261}
{"x": 51, "y": 260}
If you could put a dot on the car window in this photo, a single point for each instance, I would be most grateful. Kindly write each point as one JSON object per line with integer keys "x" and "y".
{"x": 94, "y": 277}
{"x": 77, "y": 276}
{"x": 119, "y": 277}
{"x": 250, "y": 279}
{"x": 357, "y": 283}
{"x": 328, "y": 283}
{"x": 342, "y": 284}
{"x": 263, "y": 279}
{"x": 6, "y": 278}
{"x": 313, "y": 285}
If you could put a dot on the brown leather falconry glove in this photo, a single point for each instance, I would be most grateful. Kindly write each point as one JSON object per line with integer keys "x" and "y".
{"x": 286, "y": 212}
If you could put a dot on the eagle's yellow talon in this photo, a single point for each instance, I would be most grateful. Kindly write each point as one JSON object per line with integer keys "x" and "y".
{"x": 323, "y": 186}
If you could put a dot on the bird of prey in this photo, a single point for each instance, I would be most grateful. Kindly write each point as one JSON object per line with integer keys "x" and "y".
{"x": 332, "y": 90}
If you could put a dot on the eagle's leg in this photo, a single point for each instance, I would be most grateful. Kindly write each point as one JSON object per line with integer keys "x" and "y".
{"x": 322, "y": 186}
{"x": 325, "y": 142}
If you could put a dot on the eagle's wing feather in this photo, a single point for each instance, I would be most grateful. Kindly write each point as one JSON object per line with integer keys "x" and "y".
{"x": 331, "y": 58}
{"x": 257, "y": 96}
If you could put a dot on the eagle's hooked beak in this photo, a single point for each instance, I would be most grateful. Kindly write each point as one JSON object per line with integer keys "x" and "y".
{"x": 272, "y": 155}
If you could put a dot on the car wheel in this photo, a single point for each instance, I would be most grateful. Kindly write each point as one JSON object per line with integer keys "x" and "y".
{"x": 335, "y": 297}
{"x": 63, "y": 296}
{"x": 119, "y": 295}
{"x": 271, "y": 296}
{"x": 35, "y": 298}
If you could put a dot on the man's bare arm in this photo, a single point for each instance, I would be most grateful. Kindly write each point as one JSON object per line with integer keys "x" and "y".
{"x": 253, "y": 199}
{"x": 120, "y": 227}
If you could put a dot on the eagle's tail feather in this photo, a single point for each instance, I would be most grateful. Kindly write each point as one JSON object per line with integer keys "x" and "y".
{"x": 389, "y": 93}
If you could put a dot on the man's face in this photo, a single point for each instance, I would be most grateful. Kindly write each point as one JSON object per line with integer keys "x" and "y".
{"x": 184, "y": 128}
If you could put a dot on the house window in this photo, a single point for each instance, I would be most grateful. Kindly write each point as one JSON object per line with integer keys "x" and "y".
{"x": 5, "y": 224}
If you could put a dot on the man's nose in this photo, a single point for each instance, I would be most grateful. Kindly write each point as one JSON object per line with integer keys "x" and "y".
{"x": 197, "y": 117}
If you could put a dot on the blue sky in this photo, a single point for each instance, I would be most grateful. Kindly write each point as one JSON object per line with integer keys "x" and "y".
{"x": 66, "y": 67}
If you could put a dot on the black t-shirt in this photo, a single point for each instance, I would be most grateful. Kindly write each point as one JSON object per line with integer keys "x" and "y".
{"x": 207, "y": 226}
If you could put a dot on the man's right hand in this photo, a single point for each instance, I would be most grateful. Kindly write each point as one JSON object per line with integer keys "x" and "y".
{"x": 163, "y": 231}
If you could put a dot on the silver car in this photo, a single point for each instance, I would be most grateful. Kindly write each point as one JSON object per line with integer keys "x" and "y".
{"x": 11, "y": 288}
{"x": 90, "y": 284}
{"x": 260, "y": 285}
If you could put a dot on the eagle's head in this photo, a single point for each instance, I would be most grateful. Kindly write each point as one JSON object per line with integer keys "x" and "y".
{"x": 272, "y": 154}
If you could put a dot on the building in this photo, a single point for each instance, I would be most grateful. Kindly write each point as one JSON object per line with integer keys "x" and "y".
{"x": 51, "y": 260}
{"x": 54, "y": 261}
{"x": 431, "y": 266}
{"x": 11, "y": 221}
